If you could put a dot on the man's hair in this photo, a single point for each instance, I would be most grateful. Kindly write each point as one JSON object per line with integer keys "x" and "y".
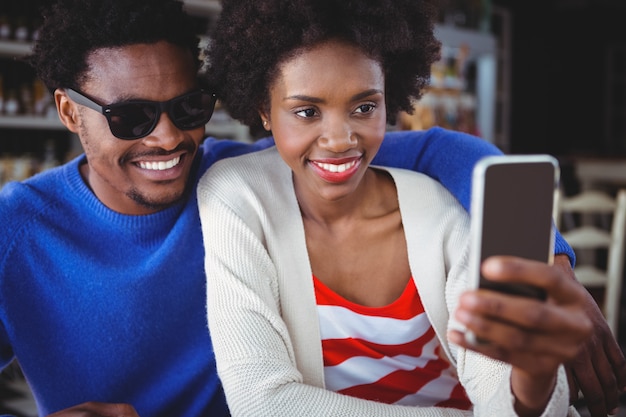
{"x": 72, "y": 29}
{"x": 251, "y": 39}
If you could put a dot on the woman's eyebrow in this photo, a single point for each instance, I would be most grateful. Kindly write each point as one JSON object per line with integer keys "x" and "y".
{"x": 356, "y": 97}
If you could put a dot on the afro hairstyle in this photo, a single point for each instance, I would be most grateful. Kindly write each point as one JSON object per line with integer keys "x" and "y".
{"x": 72, "y": 29}
{"x": 251, "y": 39}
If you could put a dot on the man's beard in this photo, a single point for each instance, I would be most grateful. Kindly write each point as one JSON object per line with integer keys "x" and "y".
{"x": 156, "y": 205}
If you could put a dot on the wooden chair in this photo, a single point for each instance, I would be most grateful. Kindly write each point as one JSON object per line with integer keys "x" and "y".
{"x": 594, "y": 224}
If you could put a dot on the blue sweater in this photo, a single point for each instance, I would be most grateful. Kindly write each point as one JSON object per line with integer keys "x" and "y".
{"x": 100, "y": 306}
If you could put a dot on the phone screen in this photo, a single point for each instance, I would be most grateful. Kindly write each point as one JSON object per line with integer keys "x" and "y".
{"x": 512, "y": 203}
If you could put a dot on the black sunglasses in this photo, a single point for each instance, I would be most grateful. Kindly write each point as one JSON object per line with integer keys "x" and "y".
{"x": 135, "y": 119}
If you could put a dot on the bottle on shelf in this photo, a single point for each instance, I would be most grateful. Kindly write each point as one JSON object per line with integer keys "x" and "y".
{"x": 12, "y": 104}
{"x": 22, "y": 31}
{"x": 1, "y": 93}
{"x": 5, "y": 27}
{"x": 27, "y": 105}
{"x": 42, "y": 100}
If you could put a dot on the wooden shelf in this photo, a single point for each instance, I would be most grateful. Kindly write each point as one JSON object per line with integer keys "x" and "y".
{"x": 31, "y": 122}
{"x": 228, "y": 130}
{"x": 203, "y": 7}
{"x": 13, "y": 49}
{"x": 456, "y": 92}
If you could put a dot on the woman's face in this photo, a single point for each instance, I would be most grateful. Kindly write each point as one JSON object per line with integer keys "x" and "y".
{"x": 327, "y": 114}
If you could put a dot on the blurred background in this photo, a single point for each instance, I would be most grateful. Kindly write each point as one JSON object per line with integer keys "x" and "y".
{"x": 532, "y": 76}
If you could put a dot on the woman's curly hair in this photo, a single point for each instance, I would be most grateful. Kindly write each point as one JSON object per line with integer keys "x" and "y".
{"x": 72, "y": 29}
{"x": 251, "y": 38}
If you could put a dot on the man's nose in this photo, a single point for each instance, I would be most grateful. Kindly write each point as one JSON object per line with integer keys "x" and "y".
{"x": 166, "y": 134}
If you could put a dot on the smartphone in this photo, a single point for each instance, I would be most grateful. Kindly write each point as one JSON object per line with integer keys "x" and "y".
{"x": 512, "y": 214}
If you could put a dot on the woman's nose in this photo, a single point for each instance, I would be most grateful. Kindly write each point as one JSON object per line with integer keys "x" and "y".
{"x": 338, "y": 135}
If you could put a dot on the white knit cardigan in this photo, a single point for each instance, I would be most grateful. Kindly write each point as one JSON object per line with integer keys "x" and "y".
{"x": 261, "y": 303}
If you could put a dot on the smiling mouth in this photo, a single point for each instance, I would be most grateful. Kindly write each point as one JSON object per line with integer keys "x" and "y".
{"x": 335, "y": 167}
{"x": 160, "y": 165}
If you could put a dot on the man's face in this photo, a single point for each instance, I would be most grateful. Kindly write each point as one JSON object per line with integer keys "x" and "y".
{"x": 144, "y": 175}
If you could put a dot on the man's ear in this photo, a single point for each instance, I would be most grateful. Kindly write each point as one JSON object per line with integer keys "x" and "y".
{"x": 67, "y": 110}
{"x": 265, "y": 120}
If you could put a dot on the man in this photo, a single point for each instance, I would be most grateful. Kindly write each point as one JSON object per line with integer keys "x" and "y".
{"x": 102, "y": 296}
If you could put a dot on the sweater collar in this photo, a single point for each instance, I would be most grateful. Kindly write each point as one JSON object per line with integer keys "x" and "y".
{"x": 90, "y": 203}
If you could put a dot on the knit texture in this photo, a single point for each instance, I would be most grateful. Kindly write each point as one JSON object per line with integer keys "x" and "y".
{"x": 261, "y": 302}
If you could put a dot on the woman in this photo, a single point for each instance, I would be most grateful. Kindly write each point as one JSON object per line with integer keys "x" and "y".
{"x": 335, "y": 285}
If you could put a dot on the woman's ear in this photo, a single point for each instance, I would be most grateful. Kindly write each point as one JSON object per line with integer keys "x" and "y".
{"x": 67, "y": 110}
{"x": 265, "y": 119}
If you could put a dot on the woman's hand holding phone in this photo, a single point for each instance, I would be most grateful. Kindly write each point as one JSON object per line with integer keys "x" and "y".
{"x": 534, "y": 336}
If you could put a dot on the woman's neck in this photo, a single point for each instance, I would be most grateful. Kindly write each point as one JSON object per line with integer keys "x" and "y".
{"x": 374, "y": 197}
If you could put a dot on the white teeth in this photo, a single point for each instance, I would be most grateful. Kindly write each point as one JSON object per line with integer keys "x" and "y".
{"x": 159, "y": 166}
{"x": 336, "y": 168}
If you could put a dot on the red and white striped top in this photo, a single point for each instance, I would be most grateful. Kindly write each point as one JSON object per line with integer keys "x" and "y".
{"x": 388, "y": 354}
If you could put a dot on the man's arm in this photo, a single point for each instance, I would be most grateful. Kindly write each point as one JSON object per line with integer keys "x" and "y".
{"x": 599, "y": 371}
{"x": 447, "y": 156}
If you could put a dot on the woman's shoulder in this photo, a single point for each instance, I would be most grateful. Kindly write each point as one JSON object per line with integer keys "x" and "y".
{"x": 256, "y": 179}
{"x": 426, "y": 203}
{"x": 252, "y": 169}
{"x": 415, "y": 185}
